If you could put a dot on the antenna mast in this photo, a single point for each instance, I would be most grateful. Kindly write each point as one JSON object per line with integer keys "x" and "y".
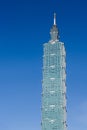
{"x": 54, "y": 18}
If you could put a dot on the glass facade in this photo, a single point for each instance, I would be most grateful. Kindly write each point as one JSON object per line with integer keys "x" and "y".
{"x": 54, "y": 84}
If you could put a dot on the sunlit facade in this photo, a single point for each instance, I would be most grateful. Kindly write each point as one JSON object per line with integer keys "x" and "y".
{"x": 54, "y": 83}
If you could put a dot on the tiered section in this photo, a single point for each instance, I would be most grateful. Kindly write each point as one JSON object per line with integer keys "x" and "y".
{"x": 54, "y": 86}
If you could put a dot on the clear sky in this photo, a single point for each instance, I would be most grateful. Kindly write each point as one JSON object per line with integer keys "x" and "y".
{"x": 24, "y": 27}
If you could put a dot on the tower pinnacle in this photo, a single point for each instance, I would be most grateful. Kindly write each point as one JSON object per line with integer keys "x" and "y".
{"x": 54, "y": 30}
{"x": 54, "y": 18}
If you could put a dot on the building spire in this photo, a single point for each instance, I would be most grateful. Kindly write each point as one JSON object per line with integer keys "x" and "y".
{"x": 54, "y": 30}
{"x": 54, "y": 18}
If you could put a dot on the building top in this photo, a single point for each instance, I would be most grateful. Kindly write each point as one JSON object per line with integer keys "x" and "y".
{"x": 54, "y": 30}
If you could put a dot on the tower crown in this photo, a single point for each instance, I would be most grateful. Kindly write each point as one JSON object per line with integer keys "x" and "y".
{"x": 54, "y": 30}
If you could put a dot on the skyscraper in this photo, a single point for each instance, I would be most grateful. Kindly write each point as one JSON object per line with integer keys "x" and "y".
{"x": 54, "y": 83}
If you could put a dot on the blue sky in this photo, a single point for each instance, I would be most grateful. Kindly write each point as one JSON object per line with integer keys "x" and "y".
{"x": 24, "y": 27}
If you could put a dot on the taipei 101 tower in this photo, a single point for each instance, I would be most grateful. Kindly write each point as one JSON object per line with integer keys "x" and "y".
{"x": 54, "y": 83}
